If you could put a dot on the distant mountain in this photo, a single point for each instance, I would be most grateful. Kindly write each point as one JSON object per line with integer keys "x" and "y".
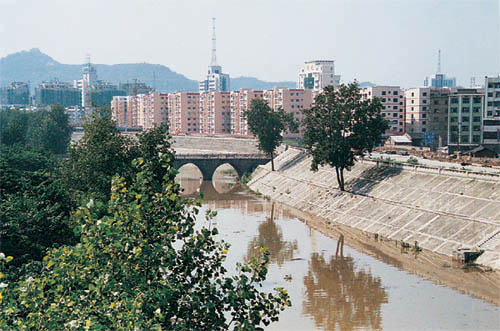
{"x": 254, "y": 83}
{"x": 33, "y": 66}
{"x": 366, "y": 84}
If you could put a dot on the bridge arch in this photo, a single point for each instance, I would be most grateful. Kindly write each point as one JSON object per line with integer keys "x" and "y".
{"x": 235, "y": 167}
{"x": 209, "y": 163}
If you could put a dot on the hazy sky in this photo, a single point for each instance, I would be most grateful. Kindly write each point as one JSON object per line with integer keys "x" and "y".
{"x": 383, "y": 41}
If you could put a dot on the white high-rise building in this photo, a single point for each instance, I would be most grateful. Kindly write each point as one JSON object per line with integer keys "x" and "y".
{"x": 316, "y": 75}
{"x": 89, "y": 79}
{"x": 215, "y": 79}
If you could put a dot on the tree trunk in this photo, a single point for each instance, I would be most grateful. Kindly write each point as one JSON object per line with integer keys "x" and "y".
{"x": 341, "y": 187}
{"x": 272, "y": 161}
{"x": 342, "y": 178}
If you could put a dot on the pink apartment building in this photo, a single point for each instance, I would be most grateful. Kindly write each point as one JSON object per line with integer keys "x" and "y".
{"x": 292, "y": 101}
{"x": 393, "y": 111}
{"x": 215, "y": 112}
{"x": 240, "y": 102}
{"x": 159, "y": 103}
{"x": 121, "y": 110}
{"x": 184, "y": 112}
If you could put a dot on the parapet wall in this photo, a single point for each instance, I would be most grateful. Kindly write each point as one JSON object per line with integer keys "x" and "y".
{"x": 200, "y": 144}
{"x": 442, "y": 210}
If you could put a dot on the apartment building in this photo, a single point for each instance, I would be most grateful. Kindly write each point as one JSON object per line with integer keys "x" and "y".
{"x": 159, "y": 104}
{"x": 50, "y": 93}
{"x": 393, "y": 110}
{"x": 121, "y": 110}
{"x": 240, "y": 102}
{"x": 438, "y": 113}
{"x": 215, "y": 112}
{"x": 184, "y": 112}
{"x": 465, "y": 109}
{"x": 292, "y": 101}
{"x": 17, "y": 93}
{"x": 417, "y": 113}
{"x": 491, "y": 113}
{"x": 316, "y": 75}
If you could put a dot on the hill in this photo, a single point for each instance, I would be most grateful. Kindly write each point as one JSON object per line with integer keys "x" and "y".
{"x": 250, "y": 82}
{"x": 33, "y": 66}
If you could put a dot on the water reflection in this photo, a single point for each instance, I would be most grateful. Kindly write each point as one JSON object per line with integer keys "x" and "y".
{"x": 329, "y": 293}
{"x": 270, "y": 236}
{"x": 339, "y": 297}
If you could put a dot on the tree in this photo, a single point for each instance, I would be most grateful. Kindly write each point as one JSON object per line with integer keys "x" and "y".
{"x": 13, "y": 126}
{"x": 269, "y": 125}
{"x": 143, "y": 265}
{"x": 35, "y": 204}
{"x": 98, "y": 156}
{"x": 50, "y": 130}
{"x": 341, "y": 126}
{"x": 43, "y": 130}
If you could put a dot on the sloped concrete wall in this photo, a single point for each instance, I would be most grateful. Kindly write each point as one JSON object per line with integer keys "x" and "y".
{"x": 441, "y": 210}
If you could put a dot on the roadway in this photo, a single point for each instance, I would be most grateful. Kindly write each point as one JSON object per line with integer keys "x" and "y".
{"x": 432, "y": 163}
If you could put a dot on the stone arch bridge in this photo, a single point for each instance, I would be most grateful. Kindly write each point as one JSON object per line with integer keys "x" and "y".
{"x": 208, "y": 163}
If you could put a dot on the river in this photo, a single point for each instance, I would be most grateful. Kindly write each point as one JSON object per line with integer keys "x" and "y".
{"x": 356, "y": 291}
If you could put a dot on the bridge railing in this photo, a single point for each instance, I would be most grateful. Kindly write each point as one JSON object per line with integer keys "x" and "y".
{"x": 221, "y": 156}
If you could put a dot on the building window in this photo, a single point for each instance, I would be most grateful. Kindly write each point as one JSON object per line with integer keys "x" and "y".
{"x": 383, "y": 92}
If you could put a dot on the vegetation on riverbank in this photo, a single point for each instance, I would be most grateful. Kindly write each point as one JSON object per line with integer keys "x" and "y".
{"x": 113, "y": 244}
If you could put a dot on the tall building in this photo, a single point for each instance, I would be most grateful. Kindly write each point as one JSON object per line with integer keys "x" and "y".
{"x": 215, "y": 79}
{"x": 240, "y": 103}
{"x": 17, "y": 93}
{"x": 215, "y": 112}
{"x": 89, "y": 79}
{"x": 96, "y": 92}
{"x": 465, "y": 109}
{"x": 439, "y": 80}
{"x": 121, "y": 110}
{"x": 393, "y": 106}
{"x": 184, "y": 112}
{"x": 292, "y": 101}
{"x": 55, "y": 92}
{"x": 438, "y": 113}
{"x": 316, "y": 75}
{"x": 491, "y": 115}
{"x": 417, "y": 113}
{"x": 101, "y": 93}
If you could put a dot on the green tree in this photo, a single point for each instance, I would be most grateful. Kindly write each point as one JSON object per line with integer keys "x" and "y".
{"x": 269, "y": 125}
{"x": 104, "y": 152}
{"x": 13, "y": 126}
{"x": 35, "y": 204}
{"x": 49, "y": 130}
{"x": 142, "y": 265}
{"x": 98, "y": 156}
{"x": 341, "y": 126}
{"x": 44, "y": 130}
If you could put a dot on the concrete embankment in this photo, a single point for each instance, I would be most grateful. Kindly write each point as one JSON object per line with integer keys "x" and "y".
{"x": 440, "y": 209}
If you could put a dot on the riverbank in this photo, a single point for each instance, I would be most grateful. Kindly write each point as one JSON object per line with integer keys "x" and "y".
{"x": 440, "y": 210}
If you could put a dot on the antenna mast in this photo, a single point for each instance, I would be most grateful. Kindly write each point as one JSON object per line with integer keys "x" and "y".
{"x": 439, "y": 62}
{"x": 214, "y": 57}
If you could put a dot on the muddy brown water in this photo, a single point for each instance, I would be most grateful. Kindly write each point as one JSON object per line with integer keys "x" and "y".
{"x": 360, "y": 290}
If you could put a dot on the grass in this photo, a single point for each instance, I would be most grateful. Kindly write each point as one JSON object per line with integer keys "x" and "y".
{"x": 294, "y": 142}
{"x": 245, "y": 178}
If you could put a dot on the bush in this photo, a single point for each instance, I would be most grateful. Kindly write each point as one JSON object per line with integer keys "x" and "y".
{"x": 142, "y": 265}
